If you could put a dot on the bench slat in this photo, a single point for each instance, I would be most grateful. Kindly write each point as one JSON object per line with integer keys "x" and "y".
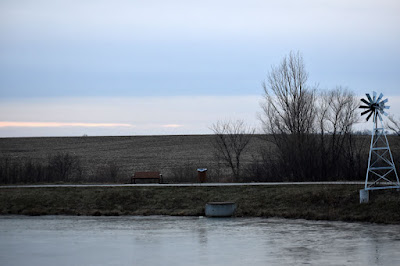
{"x": 147, "y": 175}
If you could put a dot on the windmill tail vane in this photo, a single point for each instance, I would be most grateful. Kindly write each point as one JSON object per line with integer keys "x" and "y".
{"x": 381, "y": 173}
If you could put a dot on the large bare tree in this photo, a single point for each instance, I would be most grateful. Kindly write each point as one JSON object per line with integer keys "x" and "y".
{"x": 231, "y": 139}
{"x": 289, "y": 101}
{"x": 311, "y": 130}
{"x": 289, "y": 114}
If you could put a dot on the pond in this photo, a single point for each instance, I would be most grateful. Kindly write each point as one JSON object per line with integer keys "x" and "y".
{"x": 165, "y": 240}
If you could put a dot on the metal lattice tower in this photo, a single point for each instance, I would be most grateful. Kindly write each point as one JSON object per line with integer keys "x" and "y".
{"x": 381, "y": 173}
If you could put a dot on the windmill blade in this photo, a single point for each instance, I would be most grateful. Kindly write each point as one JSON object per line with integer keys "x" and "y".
{"x": 379, "y": 98}
{"x": 374, "y": 106}
{"x": 363, "y": 113}
{"x": 369, "y": 115}
{"x": 369, "y": 98}
{"x": 366, "y": 102}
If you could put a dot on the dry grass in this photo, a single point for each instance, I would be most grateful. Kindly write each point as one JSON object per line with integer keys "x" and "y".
{"x": 317, "y": 202}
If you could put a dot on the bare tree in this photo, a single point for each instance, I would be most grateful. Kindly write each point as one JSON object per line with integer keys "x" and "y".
{"x": 311, "y": 130}
{"x": 231, "y": 139}
{"x": 394, "y": 124}
{"x": 338, "y": 108}
{"x": 289, "y": 114}
{"x": 337, "y": 114}
{"x": 290, "y": 102}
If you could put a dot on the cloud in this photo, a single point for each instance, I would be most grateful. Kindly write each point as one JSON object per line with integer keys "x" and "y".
{"x": 122, "y": 116}
{"x": 59, "y": 124}
{"x": 172, "y": 126}
{"x": 192, "y": 19}
{"x": 133, "y": 48}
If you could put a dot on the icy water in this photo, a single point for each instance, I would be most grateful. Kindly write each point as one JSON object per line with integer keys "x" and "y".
{"x": 161, "y": 240}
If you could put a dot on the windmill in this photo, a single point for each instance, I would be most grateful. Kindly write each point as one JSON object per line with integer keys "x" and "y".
{"x": 381, "y": 173}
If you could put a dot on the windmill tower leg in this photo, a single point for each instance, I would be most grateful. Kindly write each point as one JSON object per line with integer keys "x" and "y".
{"x": 369, "y": 156}
{"x": 392, "y": 161}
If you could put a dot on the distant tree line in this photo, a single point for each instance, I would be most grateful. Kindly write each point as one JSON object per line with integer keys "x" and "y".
{"x": 61, "y": 167}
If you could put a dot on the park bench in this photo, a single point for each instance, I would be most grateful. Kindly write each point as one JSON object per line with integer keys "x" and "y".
{"x": 146, "y": 175}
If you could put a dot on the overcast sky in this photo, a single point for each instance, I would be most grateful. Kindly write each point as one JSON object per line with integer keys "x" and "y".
{"x": 69, "y": 68}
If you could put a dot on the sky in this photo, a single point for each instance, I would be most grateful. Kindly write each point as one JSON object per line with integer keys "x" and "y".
{"x": 93, "y": 67}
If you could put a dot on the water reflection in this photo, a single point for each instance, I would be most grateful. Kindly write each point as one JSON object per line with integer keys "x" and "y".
{"x": 159, "y": 240}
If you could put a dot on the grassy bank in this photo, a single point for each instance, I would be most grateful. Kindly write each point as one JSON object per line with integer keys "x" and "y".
{"x": 315, "y": 202}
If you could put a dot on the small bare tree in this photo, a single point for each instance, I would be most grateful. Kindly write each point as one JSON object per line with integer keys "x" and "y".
{"x": 393, "y": 124}
{"x": 338, "y": 111}
{"x": 231, "y": 139}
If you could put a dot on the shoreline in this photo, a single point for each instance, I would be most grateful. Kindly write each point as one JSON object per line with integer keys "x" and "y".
{"x": 301, "y": 201}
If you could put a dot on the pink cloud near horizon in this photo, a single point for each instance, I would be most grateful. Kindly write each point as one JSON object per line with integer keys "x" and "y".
{"x": 59, "y": 124}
